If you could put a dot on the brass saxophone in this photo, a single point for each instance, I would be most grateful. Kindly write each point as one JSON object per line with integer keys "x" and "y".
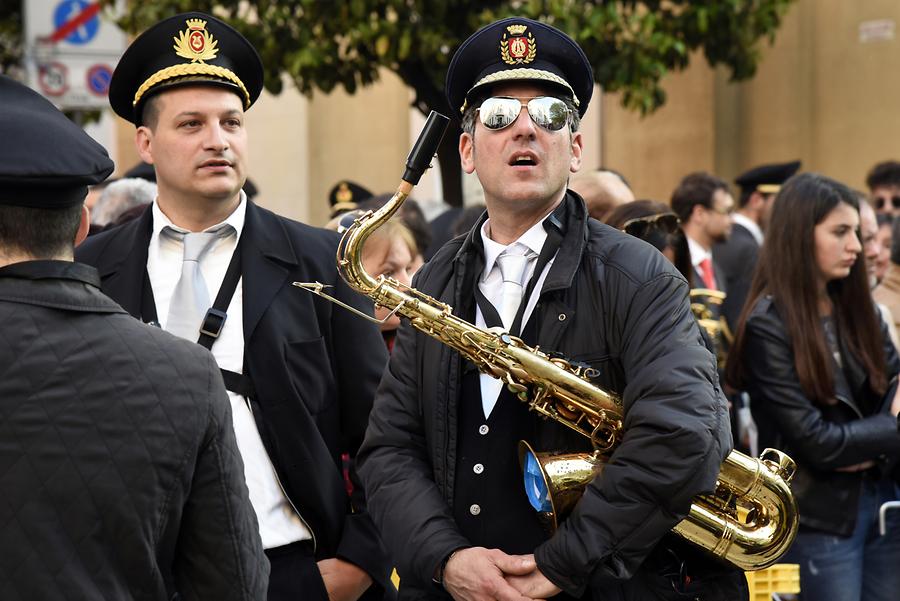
{"x": 706, "y": 305}
{"x": 750, "y": 519}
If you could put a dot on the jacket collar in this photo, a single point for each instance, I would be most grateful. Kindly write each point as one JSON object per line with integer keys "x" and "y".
{"x": 56, "y": 270}
{"x": 267, "y": 257}
{"x": 571, "y": 218}
{"x": 267, "y": 261}
{"x": 60, "y": 284}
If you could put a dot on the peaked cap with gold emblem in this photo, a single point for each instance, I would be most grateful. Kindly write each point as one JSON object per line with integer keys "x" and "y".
{"x": 519, "y": 49}
{"x": 187, "y": 49}
{"x": 766, "y": 179}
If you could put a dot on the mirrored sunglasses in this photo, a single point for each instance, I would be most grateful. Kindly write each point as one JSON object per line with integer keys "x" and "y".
{"x": 665, "y": 222}
{"x": 546, "y": 111}
{"x": 880, "y": 202}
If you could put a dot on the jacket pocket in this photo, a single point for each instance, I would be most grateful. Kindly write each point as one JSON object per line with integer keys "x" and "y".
{"x": 309, "y": 372}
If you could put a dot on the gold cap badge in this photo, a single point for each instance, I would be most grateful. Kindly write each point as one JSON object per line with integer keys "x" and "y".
{"x": 343, "y": 194}
{"x": 195, "y": 43}
{"x": 517, "y": 48}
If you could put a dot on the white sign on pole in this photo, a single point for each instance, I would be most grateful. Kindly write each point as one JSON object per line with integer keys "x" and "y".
{"x": 72, "y": 49}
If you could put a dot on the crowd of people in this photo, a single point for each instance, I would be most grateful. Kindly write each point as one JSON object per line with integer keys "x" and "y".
{"x": 178, "y": 421}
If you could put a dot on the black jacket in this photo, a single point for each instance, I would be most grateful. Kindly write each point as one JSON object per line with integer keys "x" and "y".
{"x": 818, "y": 438}
{"x": 315, "y": 366}
{"x": 611, "y": 301}
{"x": 120, "y": 473}
{"x": 736, "y": 258}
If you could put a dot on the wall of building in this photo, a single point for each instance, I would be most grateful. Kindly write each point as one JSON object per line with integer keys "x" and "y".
{"x": 824, "y": 93}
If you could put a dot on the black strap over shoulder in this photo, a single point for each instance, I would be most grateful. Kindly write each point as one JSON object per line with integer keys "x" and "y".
{"x": 213, "y": 322}
{"x": 548, "y": 251}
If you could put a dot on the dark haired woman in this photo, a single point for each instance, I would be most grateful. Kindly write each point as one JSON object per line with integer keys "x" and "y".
{"x": 820, "y": 369}
{"x": 654, "y": 222}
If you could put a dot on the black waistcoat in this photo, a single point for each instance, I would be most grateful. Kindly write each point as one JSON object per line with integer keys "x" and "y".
{"x": 490, "y": 505}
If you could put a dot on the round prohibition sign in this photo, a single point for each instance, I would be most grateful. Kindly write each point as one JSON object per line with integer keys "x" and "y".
{"x": 53, "y": 79}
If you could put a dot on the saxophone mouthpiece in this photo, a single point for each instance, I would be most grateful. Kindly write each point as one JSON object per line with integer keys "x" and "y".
{"x": 426, "y": 146}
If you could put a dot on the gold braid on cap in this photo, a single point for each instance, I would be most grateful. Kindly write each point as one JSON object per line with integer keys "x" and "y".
{"x": 189, "y": 69}
{"x": 513, "y": 74}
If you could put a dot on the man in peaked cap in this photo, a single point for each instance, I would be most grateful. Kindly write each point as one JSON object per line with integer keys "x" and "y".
{"x": 440, "y": 460}
{"x": 736, "y": 257}
{"x": 208, "y": 265}
{"x": 118, "y": 464}
{"x": 345, "y": 196}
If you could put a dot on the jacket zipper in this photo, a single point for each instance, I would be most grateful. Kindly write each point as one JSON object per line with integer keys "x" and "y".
{"x": 281, "y": 486}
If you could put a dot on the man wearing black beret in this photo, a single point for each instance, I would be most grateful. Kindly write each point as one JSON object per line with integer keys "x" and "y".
{"x": 440, "y": 460}
{"x": 120, "y": 474}
{"x": 208, "y": 265}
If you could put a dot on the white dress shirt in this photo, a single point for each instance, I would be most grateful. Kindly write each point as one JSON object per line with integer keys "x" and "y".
{"x": 279, "y": 523}
{"x": 491, "y": 283}
{"x": 698, "y": 253}
{"x": 751, "y": 226}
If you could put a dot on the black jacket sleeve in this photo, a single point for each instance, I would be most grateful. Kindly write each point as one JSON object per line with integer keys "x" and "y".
{"x": 219, "y": 553}
{"x": 778, "y": 398}
{"x": 676, "y": 435}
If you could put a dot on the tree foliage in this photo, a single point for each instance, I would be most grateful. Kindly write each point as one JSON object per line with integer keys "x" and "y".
{"x": 11, "y": 32}
{"x": 632, "y": 44}
{"x": 321, "y": 44}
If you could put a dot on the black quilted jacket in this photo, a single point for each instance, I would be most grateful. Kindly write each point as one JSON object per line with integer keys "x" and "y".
{"x": 119, "y": 473}
{"x": 610, "y": 301}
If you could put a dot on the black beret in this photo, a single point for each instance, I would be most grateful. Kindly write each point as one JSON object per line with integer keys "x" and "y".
{"x": 345, "y": 195}
{"x": 767, "y": 179}
{"x": 142, "y": 171}
{"x": 519, "y": 49}
{"x": 47, "y": 161}
{"x": 186, "y": 49}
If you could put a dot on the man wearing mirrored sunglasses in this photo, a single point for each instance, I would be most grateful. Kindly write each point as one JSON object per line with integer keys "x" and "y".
{"x": 883, "y": 182}
{"x": 440, "y": 460}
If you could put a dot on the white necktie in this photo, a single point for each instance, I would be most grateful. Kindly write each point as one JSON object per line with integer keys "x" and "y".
{"x": 513, "y": 263}
{"x": 190, "y": 300}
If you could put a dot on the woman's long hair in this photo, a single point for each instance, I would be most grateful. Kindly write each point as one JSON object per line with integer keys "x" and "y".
{"x": 787, "y": 270}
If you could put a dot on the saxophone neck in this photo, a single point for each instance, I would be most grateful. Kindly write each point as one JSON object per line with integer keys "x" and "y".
{"x": 349, "y": 254}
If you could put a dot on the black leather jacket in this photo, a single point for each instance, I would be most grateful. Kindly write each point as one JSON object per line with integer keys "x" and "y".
{"x": 819, "y": 438}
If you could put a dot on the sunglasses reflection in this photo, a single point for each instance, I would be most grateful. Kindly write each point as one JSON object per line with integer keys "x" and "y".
{"x": 499, "y": 112}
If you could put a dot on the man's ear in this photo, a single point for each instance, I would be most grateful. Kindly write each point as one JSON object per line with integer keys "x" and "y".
{"x": 698, "y": 212}
{"x": 143, "y": 140}
{"x": 467, "y": 152}
{"x": 577, "y": 150}
{"x": 84, "y": 226}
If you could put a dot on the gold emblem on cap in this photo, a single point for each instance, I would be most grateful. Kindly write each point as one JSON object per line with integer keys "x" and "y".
{"x": 195, "y": 43}
{"x": 343, "y": 194}
{"x": 520, "y": 49}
